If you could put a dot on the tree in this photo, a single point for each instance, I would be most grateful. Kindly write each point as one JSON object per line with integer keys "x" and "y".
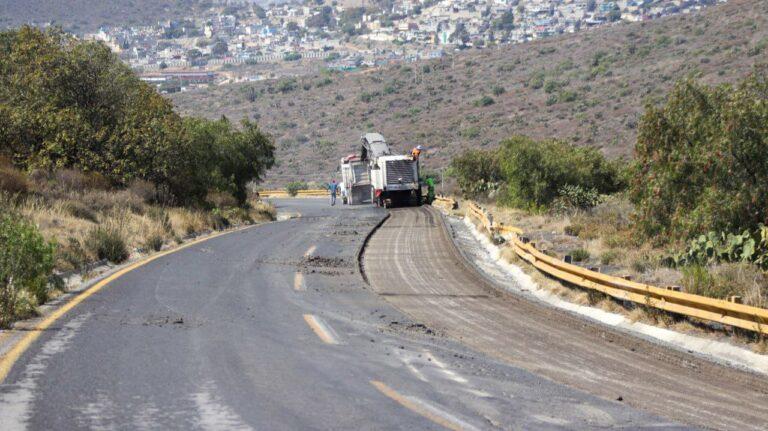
{"x": 702, "y": 163}
{"x": 193, "y": 54}
{"x": 220, "y": 48}
{"x": 506, "y": 22}
{"x": 228, "y": 159}
{"x": 322, "y": 19}
{"x": 292, "y": 27}
{"x": 477, "y": 172}
{"x": 259, "y": 11}
{"x": 66, "y": 103}
{"x": 535, "y": 172}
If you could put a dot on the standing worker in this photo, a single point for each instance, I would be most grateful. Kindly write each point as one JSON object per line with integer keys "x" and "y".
{"x": 332, "y": 188}
{"x": 416, "y": 152}
{"x": 430, "y": 190}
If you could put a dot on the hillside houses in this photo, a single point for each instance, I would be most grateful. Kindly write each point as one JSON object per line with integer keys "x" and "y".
{"x": 241, "y": 33}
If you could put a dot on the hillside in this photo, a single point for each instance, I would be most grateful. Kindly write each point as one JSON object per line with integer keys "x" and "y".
{"x": 589, "y": 88}
{"x": 87, "y": 15}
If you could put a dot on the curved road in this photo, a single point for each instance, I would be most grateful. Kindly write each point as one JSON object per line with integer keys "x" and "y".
{"x": 271, "y": 328}
{"x": 413, "y": 262}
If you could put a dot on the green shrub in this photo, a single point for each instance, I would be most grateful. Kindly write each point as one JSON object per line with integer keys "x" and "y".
{"x": 287, "y": 85}
{"x": 579, "y": 255}
{"x": 608, "y": 257}
{"x": 477, "y": 172}
{"x": 108, "y": 243}
{"x": 470, "y": 132}
{"x": 293, "y": 187}
{"x": 26, "y": 263}
{"x": 536, "y": 81}
{"x": 573, "y": 229}
{"x": 701, "y": 160}
{"x": 535, "y": 172}
{"x": 484, "y": 101}
{"x": 153, "y": 241}
{"x": 71, "y": 255}
{"x": 498, "y": 90}
{"x": 572, "y": 198}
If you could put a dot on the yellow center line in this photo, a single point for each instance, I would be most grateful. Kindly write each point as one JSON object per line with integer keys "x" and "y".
{"x": 298, "y": 282}
{"x": 419, "y": 408}
{"x": 310, "y": 250}
{"x": 11, "y": 356}
{"x": 321, "y": 330}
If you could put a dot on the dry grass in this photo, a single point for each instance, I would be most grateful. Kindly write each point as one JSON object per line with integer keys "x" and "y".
{"x": 722, "y": 280}
{"x": 68, "y": 206}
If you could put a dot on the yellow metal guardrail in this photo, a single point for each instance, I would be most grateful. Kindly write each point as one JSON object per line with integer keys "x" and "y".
{"x": 300, "y": 193}
{"x": 445, "y": 200}
{"x": 668, "y": 299}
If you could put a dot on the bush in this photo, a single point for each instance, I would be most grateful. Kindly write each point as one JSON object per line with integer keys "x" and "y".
{"x": 575, "y": 198}
{"x": 74, "y": 180}
{"x": 609, "y": 256}
{"x": 484, "y": 101}
{"x": 573, "y": 229}
{"x": 536, "y": 172}
{"x": 12, "y": 180}
{"x": 108, "y": 243}
{"x": 153, "y": 241}
{"x": 71, "y": 255}
{"x": 477, "y": 172}
{"x": 579, "y": 255}
{"x": 701, "y": 160}
{"x": 26, "y": 262}
{"x": 79, "y": 209}
{"x": 293, "y": 187}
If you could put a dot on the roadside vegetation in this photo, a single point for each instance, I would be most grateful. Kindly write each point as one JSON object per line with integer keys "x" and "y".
{"x": 690, "y": 209}
{"x": 96, "y": 166}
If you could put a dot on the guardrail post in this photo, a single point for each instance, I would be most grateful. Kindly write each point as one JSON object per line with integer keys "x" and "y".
{"x": 568, "y": 258}
{"x": 594, "y": 268}
{"x": 736, "y": 299}
{"x": 525, "y": 239}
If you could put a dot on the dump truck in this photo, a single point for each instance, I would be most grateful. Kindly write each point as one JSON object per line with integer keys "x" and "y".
{"x": 355, "y": 180}
{"x": 394, "y": 178}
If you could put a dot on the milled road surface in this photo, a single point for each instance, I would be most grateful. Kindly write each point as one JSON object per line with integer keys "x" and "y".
{"x": 413, "y": 263}
{"x": 273, "y": 328}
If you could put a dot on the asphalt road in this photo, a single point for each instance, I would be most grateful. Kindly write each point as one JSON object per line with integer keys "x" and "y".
{"x": 273, "y": 328}
{"x": 413, "y": 262}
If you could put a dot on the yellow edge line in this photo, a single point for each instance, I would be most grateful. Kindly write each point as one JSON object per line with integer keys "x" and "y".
{"x": 410, "y": 405}
{"x": 9, "y": 358}
{"x": 319, "y": 330}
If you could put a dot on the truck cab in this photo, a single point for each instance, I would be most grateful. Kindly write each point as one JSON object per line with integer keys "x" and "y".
{"x": 394, "y": 178}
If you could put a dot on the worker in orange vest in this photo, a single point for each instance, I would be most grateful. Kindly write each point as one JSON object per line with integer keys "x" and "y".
{"x": 416, "y": 152}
